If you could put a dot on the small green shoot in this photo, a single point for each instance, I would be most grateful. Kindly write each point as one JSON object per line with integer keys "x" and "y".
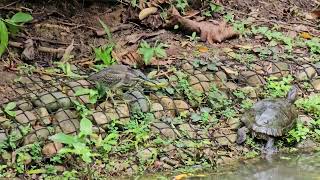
{"x": 181, "y": 5}
{"x": 194, "y": 37}
{"x": 298, "y": 133}
{"x": 277, "y": 87}
{"x": 104, "y": 54}
{"x": 9, "y": 109}
{"x": 149, "y": 52}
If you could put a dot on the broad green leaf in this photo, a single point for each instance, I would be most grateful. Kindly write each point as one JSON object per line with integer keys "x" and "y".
{"x": 85, "y": 126}
{"x": 4, "y": 37}
{"x": 11, "y": 113}
{"x": 21, "y": 17}
{"x": 10, "y": 106}
{"x": 63, "y": 138}
{"x": 82, "y": 91}
{"x": 161, "y": 53}
{"x": 147, "y": 54}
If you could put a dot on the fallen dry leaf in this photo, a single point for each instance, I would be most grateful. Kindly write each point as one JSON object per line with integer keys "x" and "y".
{"x": 180, "y": 177}
{"x": 146, "y": 12}
{"x": 209, "y": 31}
{"x": 67, "y": 53}
{"x": 132, "y": 59}
{"x": 28, "y": 52}
{"x": 136, "y": 37}
{"x": 203, "y": 49}
{"x": 305, "y": 35}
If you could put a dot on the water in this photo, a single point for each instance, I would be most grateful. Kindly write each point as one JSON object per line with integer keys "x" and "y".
{"x": 282, "y": 167}
{"x": 304, "y": 166}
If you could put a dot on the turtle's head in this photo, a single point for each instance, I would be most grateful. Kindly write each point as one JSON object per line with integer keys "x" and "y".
{"x": 292, "y": 94}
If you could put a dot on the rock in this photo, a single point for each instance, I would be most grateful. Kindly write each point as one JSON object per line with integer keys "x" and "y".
{"x": 3, "y": 136}
{"x": 188, "y": 68}
{"x": 250, "y": 91}
{"x": 25, "y": 117}
{"x": 306, "y": 120}
{"x": 51, "y": 149}
{"x": 146, "y": 154}
{"x": 163, "y": 129}
{"x": 225, "y": 137}
{"x": 306, "y": 72}
{"x": 120, "y": 112}
{"x": 137, "y": 101}
{"x": 168, "y": 105}
{"x": 157, "y": 110}
{"x": 223, "y": 141}
{"x": 225, "y": 160}
{"x": 60, "y": 168}
{"x": 252, "y": 78}
{"x": 279, "y": 69}
{"x": 232, "y": 137}
{"x": 24, "y": 105}
{"x": 52, "y": 101}
{"x": 187, "y": 130}
{"x": 231, "y": 86}
{"x": 307, "y": 144}
{"x": 46, "y": 77}
{"x": 39, "y": 134}
{"x": 67, "y": 120}
{"x": 44, "y": 116}
{"x": 100, "y": 118}
{"x": 233, "y": 123}
{"x": 316, "y": 84}
{"x": 5, "y": 123}
{"x": 181, "y": 106}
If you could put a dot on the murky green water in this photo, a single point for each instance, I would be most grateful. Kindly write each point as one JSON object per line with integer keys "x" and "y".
{"x": 282, "y": 167}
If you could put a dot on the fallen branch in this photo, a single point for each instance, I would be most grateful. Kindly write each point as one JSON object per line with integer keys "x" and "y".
{"x": 40, "y": 48}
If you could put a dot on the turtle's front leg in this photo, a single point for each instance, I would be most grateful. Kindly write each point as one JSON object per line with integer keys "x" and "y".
{"x": 269, "y": 148}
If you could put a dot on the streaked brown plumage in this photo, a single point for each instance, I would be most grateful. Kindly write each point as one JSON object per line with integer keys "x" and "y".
{"x": 118, "y": 76}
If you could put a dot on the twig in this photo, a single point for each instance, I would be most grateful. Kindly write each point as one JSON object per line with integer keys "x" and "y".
{"x": 13, "y": 3}
{"x": 114, "y": 29}
{"x": 40, "y": 48}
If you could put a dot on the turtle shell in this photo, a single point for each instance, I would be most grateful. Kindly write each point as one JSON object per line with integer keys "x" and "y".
{"x": 273, "y": 117}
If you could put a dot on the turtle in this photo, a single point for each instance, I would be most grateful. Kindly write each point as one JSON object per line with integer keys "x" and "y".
{"x": 268, "y": 119}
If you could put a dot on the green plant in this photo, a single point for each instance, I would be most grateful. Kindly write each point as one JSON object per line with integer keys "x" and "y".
{"x": 251, "y": 154}
{"x": 12, "y": 26}
{"x": 204, "y": 117}
{"x": 273, "y": 35}
{"x": 26, "y": 69}
{"x": 104, "y": 54}
{"x": 277, "y": 87}
{"x": 298, "y": 133}
{"x": 220, "y": 103}
{"x": 194, "y": 37}
{"x": 310, "y": 104}
{"x": 314, "y": 45}
{"x": 65, "y": 67}
{"x": 138, "y": 128}
{"x": 94, "y": 94}
{"x": 149, "y": 52}
{"x": 195, "y": 97}
{"x": 106, "y": 29}
{"x": 78, "y": 144}
{"x": 8, "y": 109}
{"x": 181, "y": 5}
